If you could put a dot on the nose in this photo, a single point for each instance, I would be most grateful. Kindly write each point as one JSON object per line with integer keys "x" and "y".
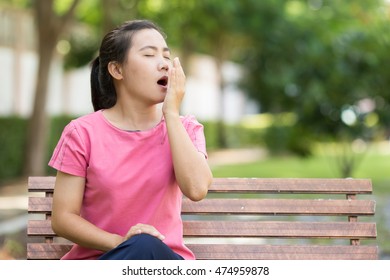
{"x": 163, "y": 65}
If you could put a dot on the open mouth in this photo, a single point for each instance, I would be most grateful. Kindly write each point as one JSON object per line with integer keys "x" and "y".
{"x": 163, "y": 81}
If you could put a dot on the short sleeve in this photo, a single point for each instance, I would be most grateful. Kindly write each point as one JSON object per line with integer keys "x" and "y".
{"x": 70, "y": 155}
{"x": 196, "y": 132}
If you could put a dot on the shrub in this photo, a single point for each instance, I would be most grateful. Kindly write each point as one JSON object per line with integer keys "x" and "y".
{"x": 13, "y": 133}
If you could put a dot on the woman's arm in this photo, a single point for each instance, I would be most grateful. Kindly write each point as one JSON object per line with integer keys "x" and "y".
{"x": 191, "y": 168}
{"x": 67, "y": 222}
{"x": 66, "y": 219}
{"x": 192, "y": 171}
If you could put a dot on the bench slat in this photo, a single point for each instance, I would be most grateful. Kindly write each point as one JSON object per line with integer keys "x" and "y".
{"x": 41, "y": 184}
{"x": 253, "y": 185}
{"x": 280, "y": 207}
{"x": 282, "y": 252}
{"x": 40, "y": 228}
{"x": 40, "y": 204}
{"x": 252, "y": 229}
{"x": 46, "y": 251}
{"x": 239, "y": 252}
{"x": 253, "y": 206}
{"x": 292, "y": 185}
{"x": 279, "y": 229}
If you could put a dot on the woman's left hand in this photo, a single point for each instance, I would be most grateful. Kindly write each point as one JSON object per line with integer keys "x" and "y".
{"x": 176, "y": 89}
{"x": 142, "y": 228}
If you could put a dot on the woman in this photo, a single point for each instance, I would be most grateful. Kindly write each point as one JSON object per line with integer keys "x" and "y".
{"x": 122, "y": 170}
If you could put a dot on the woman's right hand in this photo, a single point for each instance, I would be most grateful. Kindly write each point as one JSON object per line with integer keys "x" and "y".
{"x": 142, "y": 228}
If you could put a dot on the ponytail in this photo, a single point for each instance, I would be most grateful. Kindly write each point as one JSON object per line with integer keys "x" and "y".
{"x": 103, "y": 94}
{"x": 95, "y": 87}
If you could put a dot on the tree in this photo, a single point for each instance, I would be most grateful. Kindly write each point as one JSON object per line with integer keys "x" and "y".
{"x": 322, "y": 60}
{"x": 94, "y": 18}
{"x": 50, "y": 26}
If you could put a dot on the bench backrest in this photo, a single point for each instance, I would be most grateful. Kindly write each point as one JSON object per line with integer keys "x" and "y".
{"x": 250, "y": 218}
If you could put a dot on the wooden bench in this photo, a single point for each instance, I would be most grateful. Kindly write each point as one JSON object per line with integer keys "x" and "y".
{"x": 250, "y": 218}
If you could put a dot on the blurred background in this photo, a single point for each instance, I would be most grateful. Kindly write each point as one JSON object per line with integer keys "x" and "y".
{"x": 284, "y": 88}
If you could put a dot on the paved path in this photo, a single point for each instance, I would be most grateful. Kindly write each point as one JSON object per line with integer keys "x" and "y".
{"x": 13, "y": 206}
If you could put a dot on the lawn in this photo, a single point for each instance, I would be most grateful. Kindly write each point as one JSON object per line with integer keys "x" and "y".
{"x": 375, "y": 165}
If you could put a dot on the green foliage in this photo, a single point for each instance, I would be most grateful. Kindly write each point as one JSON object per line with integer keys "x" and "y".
{"x": 319, "y": 58}
{"x": 12, "y": 145}
{"x": 15, "y": 3}
{"x": 93, "y": 18}
{"x": 210, "y": 134}
{"x": 237, "y": 136}
{"x": 84, "y": 47}
{"x": 280, "y": 140}
{"x": 276, "y": 139}
{"x": 313, "y": 58}
{"x": 13, "y": 133}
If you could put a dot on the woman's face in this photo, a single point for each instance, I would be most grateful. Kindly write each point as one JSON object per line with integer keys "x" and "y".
{"x": 145, "y": 70}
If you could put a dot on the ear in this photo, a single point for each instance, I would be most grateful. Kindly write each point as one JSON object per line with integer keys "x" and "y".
{"x": 115, "y": 70}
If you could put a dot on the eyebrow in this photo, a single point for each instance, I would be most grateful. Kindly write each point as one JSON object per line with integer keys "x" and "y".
{"x": 166, "y": 49}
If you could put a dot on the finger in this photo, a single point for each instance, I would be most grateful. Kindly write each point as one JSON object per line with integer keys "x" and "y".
{"x": 178, "y": 67}
{"x": 172, "y": 78}
{"x": 157, "y": 235}
{"x": 132, "y": 232}
{"x": 179, "y": 73}
{"x": 140, "y": 228}
{"x": 176, "y": 62}
{"x": 153, "y": 231}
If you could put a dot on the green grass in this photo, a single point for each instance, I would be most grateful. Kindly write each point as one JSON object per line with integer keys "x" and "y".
{"x": 374, "y": 166}
{"x": 281, "y": 167}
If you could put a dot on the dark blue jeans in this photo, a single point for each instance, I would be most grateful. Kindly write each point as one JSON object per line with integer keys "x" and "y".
{"x": 141, "y": 247}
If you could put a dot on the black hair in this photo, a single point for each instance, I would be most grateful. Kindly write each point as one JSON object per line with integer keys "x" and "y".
{"x": 113, "y": 48}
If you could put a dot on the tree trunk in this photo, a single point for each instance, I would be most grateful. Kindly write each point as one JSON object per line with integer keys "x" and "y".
{"x": 50, "y": 26}
{"x": 108, "y": 12}
{"x": 221, "y": 131}
{"x": 38, "y": 124}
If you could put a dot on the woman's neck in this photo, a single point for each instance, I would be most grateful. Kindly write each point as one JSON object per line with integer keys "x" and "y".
{"x": 133, "y": 117}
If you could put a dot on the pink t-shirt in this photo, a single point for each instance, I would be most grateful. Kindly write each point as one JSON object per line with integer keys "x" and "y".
{"x": 129, "y": 177}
